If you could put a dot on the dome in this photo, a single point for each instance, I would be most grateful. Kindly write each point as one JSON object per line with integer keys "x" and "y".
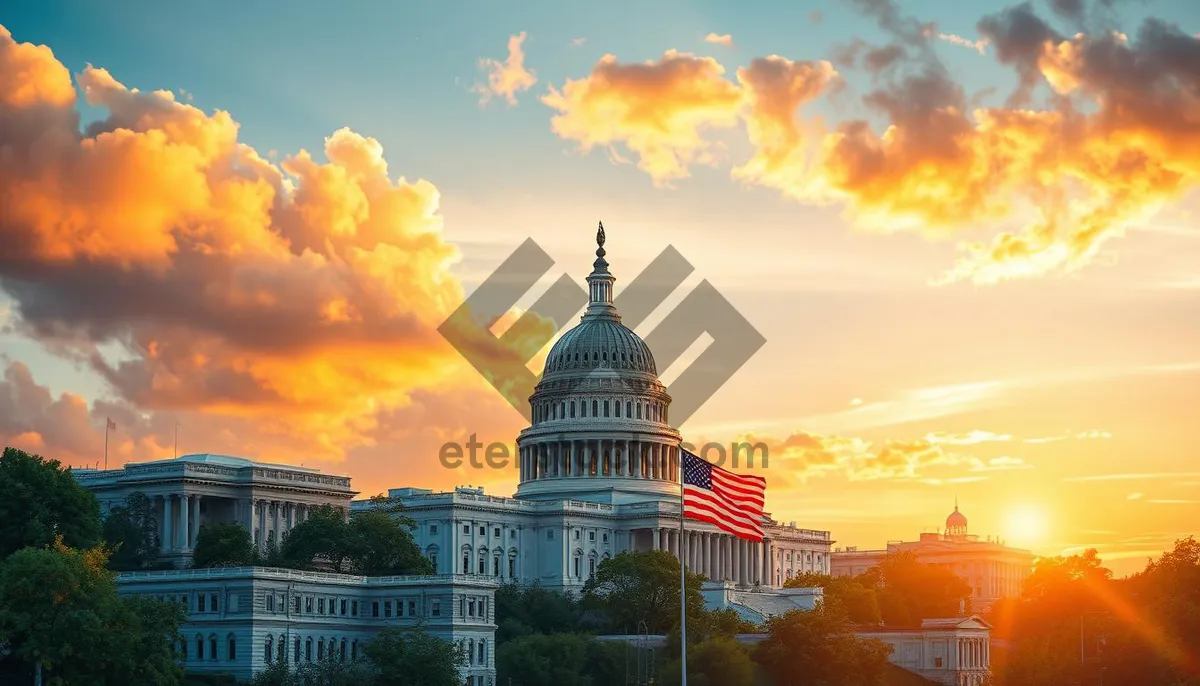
{"x": 600, "y": 343}
{"x": 956, "y": 523}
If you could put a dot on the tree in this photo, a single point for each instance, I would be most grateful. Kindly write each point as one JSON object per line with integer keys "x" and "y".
{"x": 413, "y": 656}
{"x": 133, "y": 533}
{"x": 521, "y": 611}
{"x": 909, "y": 591}
{"x": 819, "y": 648}
{"x": 381, "y": 541}
{"x": 42, "y": 500}
{"x": 718, "y": 661}
{"x": 60, "y": 612}
{"x": 858, "y": 601}
{"x": 321, "y": 538}
{"x": 544, "y": 660}
{"x": 638, "y": 587}
{"x": 223, "y": 545}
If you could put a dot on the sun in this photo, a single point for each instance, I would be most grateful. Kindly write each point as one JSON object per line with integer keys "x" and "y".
{"x": 1026, "y": 524}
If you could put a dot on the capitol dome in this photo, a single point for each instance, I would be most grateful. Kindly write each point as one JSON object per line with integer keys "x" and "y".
{"x": 956, "y": 523}
{"x": 599, "y": 429}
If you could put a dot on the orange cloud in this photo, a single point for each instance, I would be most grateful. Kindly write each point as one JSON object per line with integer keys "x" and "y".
{"x": 719, "y": 39}
{"x": 506, "y": 79}
{"x": 1117, "y": 142}
{"x": 298, "y": 300}
{"x": 659, "y": 111}
{"x": 976, "y": 45}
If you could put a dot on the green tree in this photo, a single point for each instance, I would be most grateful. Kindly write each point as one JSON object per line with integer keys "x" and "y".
{"x": 223, "y": 545}
{"x": 909, "y": 591}
{"x": 381, "y": 541}
{"x": 321, "y": 539}
{"x": 133, "y": 533}
{"x": 717, "y": 661}
{"x": 42, "y": 500}
{"x": 544, "y": 660}
{"x": 60, "y": 613}
{"x": 521, "y": 611}
{"x": 413, "y": 656}
{"x": 819, "y": 648}
{"x": 857, "y": 600}
{"x": 638, "y": 587}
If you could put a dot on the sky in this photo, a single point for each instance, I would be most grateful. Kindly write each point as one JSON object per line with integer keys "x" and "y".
{"x": 966, "y": 231}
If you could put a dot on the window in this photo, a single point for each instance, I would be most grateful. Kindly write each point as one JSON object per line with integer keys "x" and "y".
{"x": 270, "y": 602}
{"x": 482, "y": 652}
{"x": 387, "y": 608}
{"x": 354, "y": 608}
{"x": 320, "y": 649}
{"x": 212, "y": 647}
{"x": 466, "y": 528}
{"x": 466, "y": 563}
{"x": 592, "y": 566}
{"x": 308, "y": 604}
{"x": 572, "y": 409}
{"x": 582, "y": 408}
{"x": 617, "y": 408}
{"x": 233, "y": 648}
{"x": 937, "y": 663}
{"x": 433, "y": 529}
{"x": 342, "y": 650}
{"x": 483, "y": 563}
{"x": 435, "y": 608}
{"x": 591, "y": 535}
{"x": 628, "y": 408}
{"x": 183, "y": 650}
{"x": 577, "y": 575}
{"x": 483, "y": 607}
{"x": 471, "y": 608}
{"x": 199, "y": 647}
{"x": 375, "y": 609}
{"x": 296, "y": 603}
{"x": 577, "y": 534}
{"x": 496, "y": 532}
{"x": 412, "y": 608}
{"x": 343, "y": 606}
{"x": 320, "y": 606}
{"x": 200, "y": 602}
{"x": 308, "y": 650}
{"x": 512, "y": 567}
{"x": 212, "y": 602}
{"x": 605, "y": 408}
{"x": 595, "y": 406}
{"x": 512, "y": 533}
{"x": 354, "y": 649}
{"x": 483, "y": 531}
{"x": 296, "y": 651}
{"x": 549, "y": 534}
{"x": 605, "y": 538}
{"x": 496, "y": 566}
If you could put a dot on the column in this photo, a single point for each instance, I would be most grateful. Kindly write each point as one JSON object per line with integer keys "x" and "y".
{"x": 277, "y": 506}
{"x": 164, "y": 534}
{"x": 195, "y": 533}
{"x": 184, "y": 506}
{"x": 653, "y": 540}
{"x": 262, "y": 523}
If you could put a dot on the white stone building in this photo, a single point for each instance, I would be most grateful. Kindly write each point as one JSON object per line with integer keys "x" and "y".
{"x": 954, "y": 652}
{"x": 192, "y": 490}
{"x": 599, "y": 474}
{"x": 241, "y": 619}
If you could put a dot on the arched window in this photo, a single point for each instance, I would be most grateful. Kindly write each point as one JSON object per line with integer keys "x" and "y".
{"x": 512, "y": 563}
{"x": 232, "y": 656}
{"x": 320, "y": 649}
{"x": 595, "y": 407}
{"x": 432, "y": 554}
{"x": 212, "y": 647}
{"x": 605, "y": 408}
{"x": 470, "y": 651}
{"x": 483, "y": 561}
{"x": 562, "y": 410}
{"x": 296, "y": 651}
{"x": 582, "y": 408}
{"x": 572, "y": 409}
{"x": 617, "y": 408}
{"x": 628, "y": 409}
{"x": 639, "y": 410}
{"x": 308, "y": 649}
{"x": 585, "y": 358}
{"x": 466, "y": 559}
{"x": 342, "y": 652}
{"x": 279, "y": 650}
{"x": 483, "y": 651}
{"x": 199, "y": 647}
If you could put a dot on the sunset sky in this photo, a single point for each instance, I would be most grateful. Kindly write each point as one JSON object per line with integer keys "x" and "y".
{"x": 967, "y": 232}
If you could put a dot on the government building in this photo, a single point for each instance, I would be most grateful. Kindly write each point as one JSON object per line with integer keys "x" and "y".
{"x": 599, "y": 475}
{"x": 992, "y": 569}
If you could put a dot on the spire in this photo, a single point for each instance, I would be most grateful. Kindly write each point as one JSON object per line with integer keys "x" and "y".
{"x": 956, "y": 503}
{"x": 600, "y": 284}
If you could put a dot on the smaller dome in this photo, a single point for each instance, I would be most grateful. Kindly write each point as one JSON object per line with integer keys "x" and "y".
{"x": 956, "y": 519}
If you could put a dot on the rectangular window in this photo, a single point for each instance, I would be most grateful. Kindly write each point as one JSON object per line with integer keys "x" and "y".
{"x": 308, "y": 604}
{"x": 412, "y": 608}
{"x": 605, "y": 538}
{"x": 296, "y": 653}
{"x": 212, "y": 602}
{"x": 321, "y": 607}
{"x": 471, "y": 608}
{"x": 343, "y": 606}
{"x": 201, "y": 602}
{"x": 354, "y": 608}
{"x": 591, "y": 535}
{"x": 496, "y": 566}
{"x": 577, "y": 534}
{"x": 387, "y": 608}
{"x": 512, "y": 567}
{"x": 549, "y": 534}
{"x": 592, "y": 566}
{"x": 375, "y": 609}
{"x": 483, "y": 608}
{"x": 466, "y": 528}
{"x": 496, "y": 532}
{"x": 512, "y": 533}
{"x": 435, "y": 608}
{"x": 433, "y": 529}
{"x": 577, "y": 568}
{"x": 483, "y": 531}
{"x": 296, "y": 605}
{"x": 270, "y": 602}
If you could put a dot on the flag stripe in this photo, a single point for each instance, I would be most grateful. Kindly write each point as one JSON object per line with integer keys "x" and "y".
{"x": 733, "y": 502}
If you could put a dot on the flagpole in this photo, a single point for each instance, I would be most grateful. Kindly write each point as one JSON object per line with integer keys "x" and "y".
{"x": 107, "y": 426}
{"x": 176, "y": 438}
{"x": 682, "y": 579}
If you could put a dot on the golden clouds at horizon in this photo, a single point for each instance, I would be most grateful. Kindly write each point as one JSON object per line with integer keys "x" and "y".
{"x": 1116, "y": 141}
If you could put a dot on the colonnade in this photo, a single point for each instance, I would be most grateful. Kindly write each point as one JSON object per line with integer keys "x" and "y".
{"x": 266, "y": 520}
{"x": 719, "y": 556}
{"x": 600, "y": 457}
{"x": 973, "y": 653}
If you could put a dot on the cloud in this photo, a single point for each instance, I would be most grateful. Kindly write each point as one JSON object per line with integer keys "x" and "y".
{"x": 969, "y": 438}
{"x": 719, "y": 39}
{"x": 659, "y": 111}
{"x": 1114, "y": 141}
{"x": 506, "y": 79}
{"x": 1141, "y": 476}
{"x": 977, "y": 45}
{"x": 296, "y": 300}
{"x": 576, "y": 42}
{"x": 1134, "y": 496}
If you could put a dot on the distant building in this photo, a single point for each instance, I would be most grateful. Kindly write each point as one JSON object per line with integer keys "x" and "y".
{"x": 242, "y": 619}
{"x": 759, "y": 604}
{"x": 599, "y": 474}
{"x": 192, "y": 490}
{"x": 992, "y": 569}
{"x": 954, "y": 652}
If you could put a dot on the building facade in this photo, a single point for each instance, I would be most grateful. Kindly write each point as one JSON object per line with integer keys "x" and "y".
{"x": 192, "y": 490}
{"x": 240, "y": 620}
{"x": 953, "y": 652}
{"x": 599, "y": 474}
{"x": 992, "y": 569}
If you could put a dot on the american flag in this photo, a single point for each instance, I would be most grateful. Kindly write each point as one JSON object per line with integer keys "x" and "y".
{"x": 111, "y": 424}
{"x": 734, "y": 502}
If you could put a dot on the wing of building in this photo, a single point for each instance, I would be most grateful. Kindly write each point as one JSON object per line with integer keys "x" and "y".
{"x": 599, "y": 474}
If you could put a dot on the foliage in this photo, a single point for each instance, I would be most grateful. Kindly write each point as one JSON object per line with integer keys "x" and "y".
{"x": 133, "y": 532}
{"x": 377, "y": 541}
{"x": 716, "y": 662}
{"x": 909, "y": 591}
{"x": 223, "y": 545}
{"x": 636, "y": 587}
{"x": 521, "y": 611}
{"x": 413, "y": 656}
{"x": 819, "y": 648}
{"x": 59, "y": 607}
{"x": 42, "y": 500}
{"x": 859, "y": 601}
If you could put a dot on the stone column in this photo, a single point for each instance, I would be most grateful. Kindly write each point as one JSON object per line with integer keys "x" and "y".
{"x": 195, "y": 533}
{"x": 165, "y": 533}
{"x": 277, "y": 506}
{"x": 184, "y": 511}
